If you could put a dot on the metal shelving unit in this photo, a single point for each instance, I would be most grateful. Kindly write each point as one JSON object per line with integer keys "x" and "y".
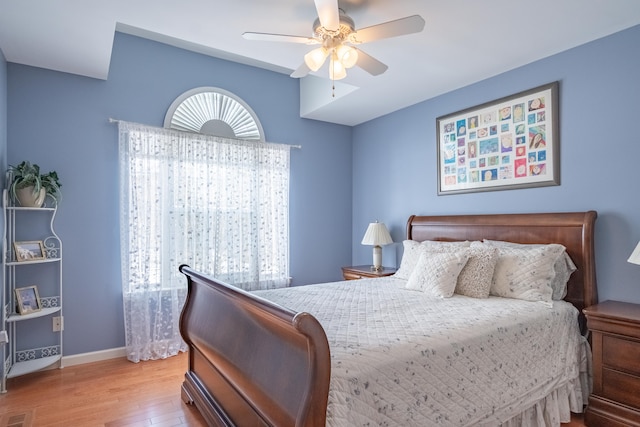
{"x": 21, "y": 332}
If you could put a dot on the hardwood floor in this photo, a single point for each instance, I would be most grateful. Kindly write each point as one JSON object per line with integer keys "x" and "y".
{"x": 112, "y": 393}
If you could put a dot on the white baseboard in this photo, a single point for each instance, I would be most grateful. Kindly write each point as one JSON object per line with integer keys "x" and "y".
{"x": 94, "y": 356}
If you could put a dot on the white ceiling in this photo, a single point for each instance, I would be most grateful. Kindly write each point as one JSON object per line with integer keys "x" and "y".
{"x": 464, "y": 41}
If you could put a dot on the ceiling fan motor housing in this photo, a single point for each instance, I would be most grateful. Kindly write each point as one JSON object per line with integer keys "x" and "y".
{"x": 346, "y": 27}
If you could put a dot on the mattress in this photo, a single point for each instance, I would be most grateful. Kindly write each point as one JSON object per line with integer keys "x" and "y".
{"x": 403, "y": 357}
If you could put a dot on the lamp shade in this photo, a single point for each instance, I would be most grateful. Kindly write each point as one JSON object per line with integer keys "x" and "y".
{"x": 635, "y": 255}
{"x": 316, "y": 58}
{"x": 347, "y": 55}
{"x": 337, "y": 71}
{"x": 377, "y": 235}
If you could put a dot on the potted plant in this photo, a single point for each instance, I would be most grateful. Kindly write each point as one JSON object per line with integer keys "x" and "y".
{"x": 29, "y": 187}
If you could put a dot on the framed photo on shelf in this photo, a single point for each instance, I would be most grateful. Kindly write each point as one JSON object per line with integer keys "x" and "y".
{"x": 504, "y": 144}
{"x": 28, "y": 300}
{"x": 29, "y": 251}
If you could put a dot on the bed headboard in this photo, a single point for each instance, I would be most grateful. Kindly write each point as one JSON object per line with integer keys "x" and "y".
{"x": 574, "y": 230}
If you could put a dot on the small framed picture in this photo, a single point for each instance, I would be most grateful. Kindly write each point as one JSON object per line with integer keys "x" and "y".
{"x": 28, "y": 300}
{"x": 29, "y": 251}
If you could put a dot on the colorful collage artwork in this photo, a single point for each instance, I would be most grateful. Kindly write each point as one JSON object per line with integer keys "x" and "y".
{"x": 506, "y": 143}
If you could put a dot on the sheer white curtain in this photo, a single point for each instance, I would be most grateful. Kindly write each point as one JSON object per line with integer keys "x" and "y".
{"x": 216, "y": 204}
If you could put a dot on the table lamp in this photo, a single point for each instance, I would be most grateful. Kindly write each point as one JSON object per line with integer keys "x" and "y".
{"x": 635, "y": 255}
{"x": 377, "y": 235}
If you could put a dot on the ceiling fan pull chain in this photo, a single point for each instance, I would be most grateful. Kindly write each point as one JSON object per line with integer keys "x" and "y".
{"x": 333, "y": 79}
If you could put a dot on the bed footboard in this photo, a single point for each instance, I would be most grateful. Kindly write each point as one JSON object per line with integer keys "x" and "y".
{"x": 251, "y": 362}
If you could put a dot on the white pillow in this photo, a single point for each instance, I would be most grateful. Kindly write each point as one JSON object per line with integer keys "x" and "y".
{"x": 429, "y": 244}
{"x": 412, "y": 253}
{"x": 409, "y": 260}
{"x": 437, "y": 273}
{"x": 525, "y": 272}
{"x": 563, "y": 266}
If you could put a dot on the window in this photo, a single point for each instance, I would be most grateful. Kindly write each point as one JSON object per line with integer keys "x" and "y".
{"x": 218, "y": 204}
{"x": 214, "y": 111}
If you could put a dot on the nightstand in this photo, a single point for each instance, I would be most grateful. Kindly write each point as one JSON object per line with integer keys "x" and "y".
{"x": 615, "y": 343}
{"x": 365, "y": 271}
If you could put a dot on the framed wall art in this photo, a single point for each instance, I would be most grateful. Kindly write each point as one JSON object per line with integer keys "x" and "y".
{"x": 504, "y": 144}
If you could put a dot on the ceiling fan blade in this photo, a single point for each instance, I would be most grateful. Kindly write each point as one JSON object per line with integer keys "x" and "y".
{"x": 328, "y": 14}
{"x": 302, "y": 71}
{"x": 370, "y": 64}
{"x": 268, "y": 37}
{"x": 399, "y": 27}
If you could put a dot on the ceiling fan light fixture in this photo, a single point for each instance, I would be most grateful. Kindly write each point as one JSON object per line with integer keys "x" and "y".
{"x": 335, "y": 32}
{"x": 337, "y": 70}
{"x": 316, "y": 58}
{"x": 347, "y": 55}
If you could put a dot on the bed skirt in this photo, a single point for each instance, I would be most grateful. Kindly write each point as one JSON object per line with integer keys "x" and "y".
{"x": 558, "y": 405}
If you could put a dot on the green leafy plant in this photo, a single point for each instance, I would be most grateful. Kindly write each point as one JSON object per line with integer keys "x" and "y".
{"x": 27, "y": 174}
{"x": 51, "y": 183}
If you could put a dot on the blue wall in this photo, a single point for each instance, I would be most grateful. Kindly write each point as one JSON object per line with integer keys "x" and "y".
{"x": 60, "y": 121}
{"x": 3, "y": 118}
{"x": 3, "y": 131}
{"x": 599, "y": 152}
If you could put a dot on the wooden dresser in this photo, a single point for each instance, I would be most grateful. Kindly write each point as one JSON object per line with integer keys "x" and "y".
{"x": 615, "y": 329}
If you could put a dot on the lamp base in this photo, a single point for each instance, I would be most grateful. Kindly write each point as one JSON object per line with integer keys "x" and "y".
{"x": 377, "y": 258}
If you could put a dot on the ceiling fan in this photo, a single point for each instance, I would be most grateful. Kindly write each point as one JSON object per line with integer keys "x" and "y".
{"x": 335, "y": 32}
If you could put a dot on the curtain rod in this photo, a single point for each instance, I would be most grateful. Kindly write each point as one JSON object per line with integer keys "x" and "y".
{"x": 112, "y": 120}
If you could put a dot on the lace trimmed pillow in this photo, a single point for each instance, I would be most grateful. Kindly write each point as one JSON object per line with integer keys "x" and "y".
{"x": 525, "y": 273}
{"x": 437, "y": 273}
{"x": 563, "y": 266}
{"x": 412, "y": 253}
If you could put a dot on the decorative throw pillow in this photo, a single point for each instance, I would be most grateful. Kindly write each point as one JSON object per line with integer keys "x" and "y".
{"x": 437, "y": 273}
{"x": 412, "y": 253}
{"x": 563, "y": 266}
{"x": 525, "y": 273}
{"x": 476, "y": 276}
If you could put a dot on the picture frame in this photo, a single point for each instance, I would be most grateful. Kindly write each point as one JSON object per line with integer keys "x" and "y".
{"x": 29, "y": 251}
{"x": 28, "y": 300}
{"x": 510, "y": 143}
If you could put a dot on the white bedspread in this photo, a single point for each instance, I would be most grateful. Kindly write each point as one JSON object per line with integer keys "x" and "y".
{"x": 401, "y": 357}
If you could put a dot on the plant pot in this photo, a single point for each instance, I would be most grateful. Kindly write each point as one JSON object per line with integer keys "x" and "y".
{"x": 27, "y": 199}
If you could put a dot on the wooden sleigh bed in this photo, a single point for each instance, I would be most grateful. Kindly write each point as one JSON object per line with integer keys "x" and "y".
{"x": 255, "y": 363}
